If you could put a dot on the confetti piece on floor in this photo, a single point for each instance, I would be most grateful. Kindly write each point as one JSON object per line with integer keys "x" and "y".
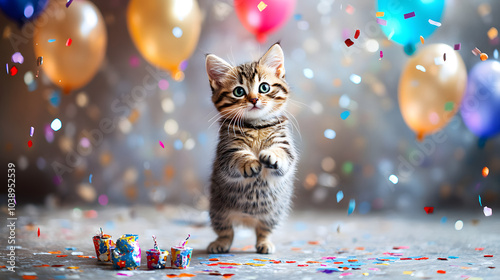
{"x": 488, "y": 256}
{"x": 487, "y": 211}
{"x": 352, "y": 206}
{"x": 441, "y": 272}
{"x": 39, "y": 61}
{"x": 457, "y": 47}
{"x": 161, "y": 144}
{"x": 348, "y": 42}
{"x": 261, "y": 6}
{"x": 13, "y": 70}
{"x": 214, "y": 259}
{"x": 485, "y": 171}
{"x": 492, "y": 33}
{"x": 38, "y": 232}
{"x": 344, "y": 115}
{"x": 61, "y": 256}
{"x": 379, "y": 14}
{"x": 382, "y": 22}
{"x": 429, "y": 210}
{"x": 302, "y": 265}
{"x": 479, "y": 249}
{"x": 409, "y": 15}
{"x": 30, "y": 277}
{"x": 54, "y": 252}
{"x": 356, "y": 35}
{"x": 340, "y": 196}
{"x": 346, "y": 274}
{"x": 421, "y": 68}
{"x": 476, "y": 51}
{"x": 17, "y": 57}
{"x": 73, "y": 267}
{"x": 442, "y": 259}
{"x": 483, "y": 57}
{"x": 30, "y": 143}
{"x": 480, "y": 203}
{"x": 52, "y": 40}
{"x": 435, "y": 23}
{"x": 68, "y": 42}
{"x": 68, "y": 3}
{"x": 422, "y": 40}
{"x": 407, "y": 272}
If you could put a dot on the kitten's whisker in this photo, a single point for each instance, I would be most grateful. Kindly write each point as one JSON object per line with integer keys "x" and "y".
{"x": 222, "y": 115}
{"x": 295, "y": 123}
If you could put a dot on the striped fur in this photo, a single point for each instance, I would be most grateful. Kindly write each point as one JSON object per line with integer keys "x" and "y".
{"x": 253, "y": 173}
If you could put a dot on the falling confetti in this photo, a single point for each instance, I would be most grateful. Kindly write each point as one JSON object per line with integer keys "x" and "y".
{"x": 444, "y": 56}
{"x": 161, "y": 144}
{"x": 32, "y": 131}
{"x": 422, "y": 40}
{"x": 382, "y": 22}
{"x": 52, "y": 40}
{"x": 7, "y": 68}
{"x": 261, "y": 6}
{"x": 68, "y": 42}
{"x": 483, "y": 57}
{"x": 340, "y": 196}
{"x": 457, "y": 47}
{"x": 435, "y": 23}
{"x": 68, "y": 3}
{"x": 30, "y": 143}
{"x": 352, "y": 206}
{"x": 429, "y": 210}
{"x": 379, "y": 14}
{"x": 480, "y": 202}
{"x": 441, "y": 272}
{"x": 492, "y": 33}
{"x": 13, "y": 70}
{"x": 421, "y": 68}
{"x": 409, "y": 15}
{"x": 17, "y": 57}
{"x": 381, "y": 54}
{"x": 476, "y": 51}
{"x": 348, "y": 42}
{"x": 39, "y": 61}
{"x": 344, "y": 115}
{"x": 495, "y": 54}
{"x": 485, "y": 171}
{"x": 356, "y": 35}
{"x": 38, "y": 232}
{"x": 90, "y": 178}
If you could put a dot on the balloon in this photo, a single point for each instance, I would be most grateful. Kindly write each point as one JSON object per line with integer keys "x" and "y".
{"x": 23, "y": 10}
{"x": 165, "y": 32}
{"x": 71, "y": 67}
{"x": 261, "y": 23}
{"x": 407, "y": 31}
{"x": 431, "y": 88}
{"x": 481, "y": 105}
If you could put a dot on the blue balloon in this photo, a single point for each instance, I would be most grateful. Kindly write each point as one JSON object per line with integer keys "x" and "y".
{"x": 23, "y": 10}
{"x": 407, "y": 20}
{"x": 481, "y": 104}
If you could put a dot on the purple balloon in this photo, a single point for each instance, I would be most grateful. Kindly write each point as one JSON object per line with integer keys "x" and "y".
{"x": 481, "y": 104}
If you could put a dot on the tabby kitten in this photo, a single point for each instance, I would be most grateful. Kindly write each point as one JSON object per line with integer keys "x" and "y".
{"x": 253, "y": 173}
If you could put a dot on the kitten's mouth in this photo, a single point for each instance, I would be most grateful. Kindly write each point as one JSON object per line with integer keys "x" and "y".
{"x": 255, "y": 108}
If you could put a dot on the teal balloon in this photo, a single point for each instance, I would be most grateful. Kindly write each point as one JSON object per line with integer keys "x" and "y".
{"x": 407, "y": 31}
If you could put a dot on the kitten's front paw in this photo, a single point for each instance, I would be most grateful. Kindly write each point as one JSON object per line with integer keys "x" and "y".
{"x": 250, "y": 168}
{"x": 265, "y": 247}
{"x": 219, "y": 246}
{"x": 269, "y": 160}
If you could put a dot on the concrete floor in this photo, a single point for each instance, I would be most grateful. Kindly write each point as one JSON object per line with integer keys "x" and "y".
{"x": 310, "y": 245}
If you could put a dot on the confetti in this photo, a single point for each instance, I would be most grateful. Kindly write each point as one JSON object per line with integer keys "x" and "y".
{"x": 492, "y": 33}
{"x": 30, "y": 143}
{"x": 38, "y": 232}
{"x": 479, "y": 249}
{"x": 340, "y": 196}
{"x": 56, "y": 124}
{"x": 495, "y": 54}
{"x": 379, "y": 14}
{"x": 394, "y": 179}
{"x": 485, "y": 171}
{"x": 13, "y": 70}
{"x": 261, "y": 6}
{"x": 348, "y": 42}
{"x": 488, "y": 256}
{"x": 476, "y": 51}
{"x": 422, "y": 40}
{"x": 68, "y": 42}
{"x": 409, "y": 15}
{"x": 32, "y": 131}
{"x": 381, "y": 54}
{"x": 459, "y": 225}
{"x": 355, "y": 79}
{"x": 438, "y": 24}
{"x": 441, "y": 272}
{"x": 7, "y": 68}
{"x": 344, "y": 115}
{"x": 352, "y": 206}
{"x": 483, "y": 57}
{"x": 382, "y": 22}
{"x": 161, "y": 144}
{"x": 61, "y": 256}
{"x": 480, "y": 203}
{"x": 330, "y": 134}
{"x": 429, "y": 210}
{"x": 487, "y": 211}
{"x": 68, "y": 3}
{"x": 90, "y": 178}
{"x": 448, "y": 106}
{"x": 356, "y": 35}
{"x": 444, "y": 56}
{"x": 52, "y": 40}
{"x": 457, "y": 47}
{"x": 39, "y": 61}
{"x": 421, "y": 68}
{"x": 17, "y": 57}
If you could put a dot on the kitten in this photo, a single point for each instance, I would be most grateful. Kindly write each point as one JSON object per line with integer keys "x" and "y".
{"x": 254, "y": 169}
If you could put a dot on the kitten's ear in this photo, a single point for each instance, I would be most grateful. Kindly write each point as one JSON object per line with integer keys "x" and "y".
{"x": 275, "y": 60}
{"x": 217, "y": 68}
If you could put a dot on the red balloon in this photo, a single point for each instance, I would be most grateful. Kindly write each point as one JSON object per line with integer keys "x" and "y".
{"x": 270, "y": 19}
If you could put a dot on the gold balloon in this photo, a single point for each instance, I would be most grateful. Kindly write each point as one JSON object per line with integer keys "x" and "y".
{"x": 165, "y": 32}
{"x": 71, "y": 67}
{"x": 431, "y": 88}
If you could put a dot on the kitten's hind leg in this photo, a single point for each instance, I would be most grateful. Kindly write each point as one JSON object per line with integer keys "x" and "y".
{"x": 225, "y": 232}
{"x": 264, "y": 244}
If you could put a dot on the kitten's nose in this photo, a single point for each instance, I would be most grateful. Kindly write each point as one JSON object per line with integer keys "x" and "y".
{"x": 254, "y": 100}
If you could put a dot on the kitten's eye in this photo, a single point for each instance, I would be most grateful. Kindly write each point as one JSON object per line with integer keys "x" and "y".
{"x": 239, "y": 92}
{"x": 264, "y": 88}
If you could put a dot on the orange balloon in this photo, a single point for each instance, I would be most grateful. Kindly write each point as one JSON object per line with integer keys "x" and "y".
{"x": 431, "y": 88}
{"x": 71, "y": 65}
{"x": 165, "y": 32}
